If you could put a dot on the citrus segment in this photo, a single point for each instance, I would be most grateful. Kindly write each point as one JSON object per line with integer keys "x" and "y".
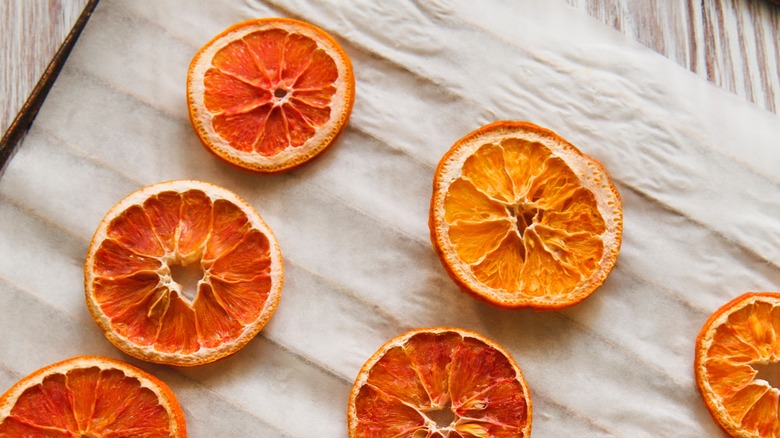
{"x": 127, "y": 230}
{"x": 737, "y": 362}
{"x": 384, "y": 416}
{"x": 90, "y": 396}
{"x": 133, "y": 291}
{"x": 215, "y": 325}
{"x": 503, "y": 266}
{"x": 474, "y": 240}
{"x": 176, "y": 330}
{"x": 114, "y": 260}
{"x": 163, "y": 211}
{"x": 437, "y": 383}
{"x": 529, "y": 159}
{"x": 521, "y": 218}
{"x": 194, "y": 223}
{"x": 228, "y": 229}
{"x": 270, "y": 94}
{"x": 242, "y": 299}
{"x": 249, "y": 259}
{"x": 399, "y": 378}
{"x": 486, "y": 169}
{"x": 466, "y": 204}
{"x": 430, "y": 355}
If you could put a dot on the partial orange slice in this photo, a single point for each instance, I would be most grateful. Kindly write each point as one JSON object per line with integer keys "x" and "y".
{"x": 737, "y": 365}
{"x": 182, "y": 273}
{"x": 269, "y": 94}
{"x": 521, "y": 218}
{"x": 90, "y": 396}
{"x": 439, "y": 383}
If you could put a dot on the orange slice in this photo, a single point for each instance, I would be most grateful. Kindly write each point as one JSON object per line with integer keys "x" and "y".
{"x": 437, "y": 383}
{"x": 90, "y": 396}
{"x": 737, "y": 365}
{"x": 182, "y": 273}
{"x": 267, "y": 95}
{"x": 520, "y": 218}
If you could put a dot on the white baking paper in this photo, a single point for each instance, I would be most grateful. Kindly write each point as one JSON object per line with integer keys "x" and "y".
{"x": 697, "y": 169}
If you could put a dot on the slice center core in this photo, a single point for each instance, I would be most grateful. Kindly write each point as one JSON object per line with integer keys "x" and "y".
{"x": 280, "y": 93}
{"x": 187, "y": 276}
{"x": 769, "y": 372}
{"x": 525, "y": 215}
{"x": 443, "y": 417}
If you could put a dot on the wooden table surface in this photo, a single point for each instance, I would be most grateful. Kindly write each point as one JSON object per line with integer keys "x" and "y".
{"x": 735, "y": 44}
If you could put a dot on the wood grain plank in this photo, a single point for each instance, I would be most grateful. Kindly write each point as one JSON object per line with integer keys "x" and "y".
{"x": 17, "y": 78}
{"x": 732, "y": 43}
{"x": 32, "y": 32}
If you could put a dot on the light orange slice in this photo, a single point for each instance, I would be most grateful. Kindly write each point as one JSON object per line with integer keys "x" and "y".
{"x": 91, "y": 396}
{"x": 270, "y": 94}
{"x": 147, "y": 249}
{"x": 737, "y": 365}
{"x": 521, "y": 218}
{"x": 439, "y": 383}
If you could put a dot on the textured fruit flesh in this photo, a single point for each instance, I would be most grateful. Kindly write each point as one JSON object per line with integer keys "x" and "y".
{"x": 408, "y": 387}
{"x": 748, "y": 338}
{"x": 269, "y": 91}
{"x": 87, "y": 402}
{"x": 522, "y": 221}
{"x": 132, "y": 282}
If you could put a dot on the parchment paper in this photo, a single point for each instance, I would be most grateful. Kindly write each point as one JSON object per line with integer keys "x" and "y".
{"x": 697, "y": 169}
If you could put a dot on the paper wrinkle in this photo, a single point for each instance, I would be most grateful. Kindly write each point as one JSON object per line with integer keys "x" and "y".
{"x": 696, "y": 169}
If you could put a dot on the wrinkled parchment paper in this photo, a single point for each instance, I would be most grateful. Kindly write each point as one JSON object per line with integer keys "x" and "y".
{"x": 698, "y": 170}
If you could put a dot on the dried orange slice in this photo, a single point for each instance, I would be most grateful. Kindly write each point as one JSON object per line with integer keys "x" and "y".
{"x": 90, "y": 396}
{"x": 520, "y": 218}
{"x": 737, "y": 365}
{"x": 182, "y": 273}
{"x": 270, "y": 94}
{"x": 440, "y": 382}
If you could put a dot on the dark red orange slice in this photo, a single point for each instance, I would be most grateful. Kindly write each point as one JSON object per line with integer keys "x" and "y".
{"x": 90, "y": 396}
{"x": 270, "y": 94}
{"x": 182, "y": 273}
{"x": 440, "y": 382}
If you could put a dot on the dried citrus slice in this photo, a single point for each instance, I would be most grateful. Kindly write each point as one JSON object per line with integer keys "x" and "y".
{"x": 737, "y": 365}
{"x": 440, "y": 382}
{"x": 520, "y": 218}
{"x": 270, "y": 94}
{"x": 90, "y": 396}
{"x": 182, "y": 273}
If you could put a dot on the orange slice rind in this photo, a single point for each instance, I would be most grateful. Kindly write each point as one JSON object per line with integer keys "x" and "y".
{"x": 131, "y": 284}
{"x": 521, "y": 218}
{"x": 90, "y": 396}
{"x": 737, "y": 362}
{"x": 440, "y": 382}
{"x": 270, "y": 94}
